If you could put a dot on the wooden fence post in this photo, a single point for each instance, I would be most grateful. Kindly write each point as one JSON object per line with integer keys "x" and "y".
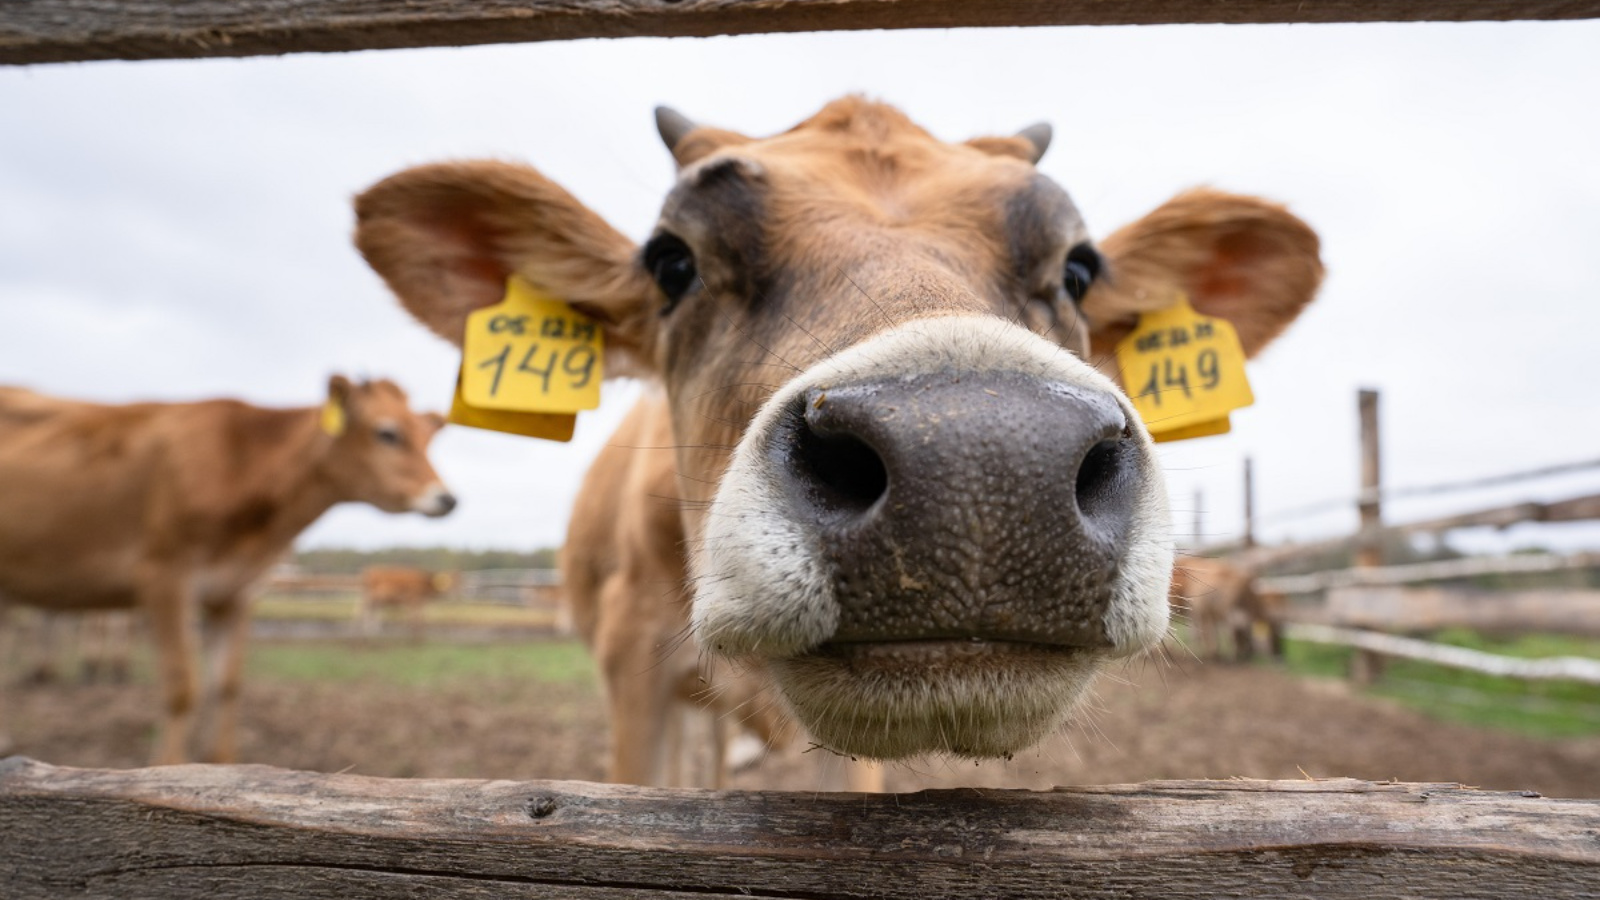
{"x": 1249, "y": 505}
{"x": 1366, "y": 666}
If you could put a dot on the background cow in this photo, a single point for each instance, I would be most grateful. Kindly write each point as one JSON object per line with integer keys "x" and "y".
{"x": 1224, "y": 605}
{"x": 908, "y": 495}
{"x": 402, "y": 590}
{"x": 177, "y": 508}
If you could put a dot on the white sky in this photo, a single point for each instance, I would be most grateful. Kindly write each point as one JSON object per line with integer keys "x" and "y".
{"x": 178, "y": 230}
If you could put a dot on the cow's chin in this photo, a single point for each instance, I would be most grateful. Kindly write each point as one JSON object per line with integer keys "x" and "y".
{"x": 969, "y": 699}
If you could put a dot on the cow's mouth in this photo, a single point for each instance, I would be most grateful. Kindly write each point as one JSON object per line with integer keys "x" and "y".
{"x": 929, "y": 656}
{"x": 967, "y": 698}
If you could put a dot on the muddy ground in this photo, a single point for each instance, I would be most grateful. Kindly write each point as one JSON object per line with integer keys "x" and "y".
{"x": 1153, "y": 720}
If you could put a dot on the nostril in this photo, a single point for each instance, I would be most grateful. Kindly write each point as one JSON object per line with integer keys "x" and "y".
{"x": 843, "y": 473}
{"x": 1100, "y": 478}
{"x": 447, "y": 502}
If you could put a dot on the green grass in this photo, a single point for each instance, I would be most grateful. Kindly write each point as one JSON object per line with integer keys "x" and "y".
{"x": 1535, "y": 708}
{"x": 422, "y": 665}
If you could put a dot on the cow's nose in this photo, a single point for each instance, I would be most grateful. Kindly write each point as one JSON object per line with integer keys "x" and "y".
{"x": 955, "y": 505}
{"x": 445, "y": 503}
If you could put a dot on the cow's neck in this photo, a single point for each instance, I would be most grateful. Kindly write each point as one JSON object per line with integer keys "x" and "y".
{"x": 293, "y": 487}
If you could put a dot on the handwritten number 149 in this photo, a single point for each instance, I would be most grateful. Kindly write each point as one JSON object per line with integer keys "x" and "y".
{"x": 577, "y": 363}
{"x": 1168, "y": 375}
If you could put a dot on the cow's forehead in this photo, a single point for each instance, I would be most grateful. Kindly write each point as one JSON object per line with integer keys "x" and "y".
{"x": 383, "y": 397}
{"x": 867, "y": 160}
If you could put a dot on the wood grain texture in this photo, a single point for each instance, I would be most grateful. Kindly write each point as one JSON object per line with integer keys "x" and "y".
{"x": 252, "y": 831}
{"x": 38, "y": 31}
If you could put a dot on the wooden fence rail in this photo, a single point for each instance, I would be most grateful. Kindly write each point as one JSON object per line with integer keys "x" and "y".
{"x": 38, "y": 31}
{"x": 220, "y": 832}
{"x": 1440, "y": 570}
{"x": 1551, "y": 668}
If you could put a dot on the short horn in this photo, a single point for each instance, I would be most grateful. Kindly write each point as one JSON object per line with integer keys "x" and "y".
{"x": 673, "y": 125}
{"x": 1037, "y": 134}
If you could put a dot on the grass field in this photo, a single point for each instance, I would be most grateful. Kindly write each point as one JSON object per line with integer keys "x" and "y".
{"x": 1535, "y": 708}
{"x": 563, "y": 662}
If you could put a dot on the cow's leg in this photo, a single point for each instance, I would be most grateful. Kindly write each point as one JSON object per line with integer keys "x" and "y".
{"x": 641, "y": 686}
{"x": 169, "y": 605}
{"x": 119, "y": 655}
{"x": 45, "y": 651}
{"x": 227, "y": 628}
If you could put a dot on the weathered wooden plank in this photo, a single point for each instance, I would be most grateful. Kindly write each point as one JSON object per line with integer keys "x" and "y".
{"x": 36, "y": 31}
{"x": 1553, "y": 610}
{"x": 1438, "y": 570}
{"x": 1556, "y": 668}
{"x": 252, "y": 831}
{"x": 1577, "y": 509}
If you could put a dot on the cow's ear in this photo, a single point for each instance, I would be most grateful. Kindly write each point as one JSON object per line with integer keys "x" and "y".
{"x": 339, "y": 390}
{"x": 1238, "y": 258}
{"x": 433, "y": 421}
{"x": 446, "y": 236}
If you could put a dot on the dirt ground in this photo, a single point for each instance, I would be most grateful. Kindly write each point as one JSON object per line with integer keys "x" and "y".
{"x": 1153, "y": 720}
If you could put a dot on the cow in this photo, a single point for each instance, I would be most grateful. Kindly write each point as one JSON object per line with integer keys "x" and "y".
{"x": 910, "y": 492}
{"x": 624, "y": 582}
{"x": 402, "y": 589}
{"x": 177, "y": 508}
{"x": 1224, "y": 597}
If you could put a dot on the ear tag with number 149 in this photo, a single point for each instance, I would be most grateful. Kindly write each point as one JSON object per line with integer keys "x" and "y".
{"x": 1184, "y": 372}
{"x": 529, "y": 364}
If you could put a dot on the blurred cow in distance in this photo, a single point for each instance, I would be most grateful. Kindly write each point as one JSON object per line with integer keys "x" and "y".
{"x": 1224, "y": 604}
{"x": 400, "y": 590}
{"x": 887, "y": 467}
{"x": 176, "y": 509}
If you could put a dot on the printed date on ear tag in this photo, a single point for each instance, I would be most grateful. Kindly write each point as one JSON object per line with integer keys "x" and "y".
{"x": 1184, "y": 372}
{"x": 528, "y": 365}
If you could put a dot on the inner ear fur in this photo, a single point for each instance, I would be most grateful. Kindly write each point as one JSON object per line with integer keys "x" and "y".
{"x": 1239, "y": 258}
{"x": 446, "y": 236}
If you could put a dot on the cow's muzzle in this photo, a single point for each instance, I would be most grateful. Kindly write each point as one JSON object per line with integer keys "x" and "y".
{"x": 959, "y": 505}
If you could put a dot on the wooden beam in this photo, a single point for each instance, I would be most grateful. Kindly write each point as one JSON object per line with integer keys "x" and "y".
{"x": 1439, "y": 570}
{"x": 1577, "y": 509}
{"x": 1552, "y": 668}
{"x": 251, "y": 831}
{"x": 1550, "y": 610}
{"x": 40, "y": 31}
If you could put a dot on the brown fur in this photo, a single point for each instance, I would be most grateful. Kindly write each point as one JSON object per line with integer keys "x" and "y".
{"x": 1220, "y": 597}
{"x": 808, "y": 242}
{"x": 177, "y": 508}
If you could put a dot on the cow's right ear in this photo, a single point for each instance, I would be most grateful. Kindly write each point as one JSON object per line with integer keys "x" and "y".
{"x": 446, "y": 236}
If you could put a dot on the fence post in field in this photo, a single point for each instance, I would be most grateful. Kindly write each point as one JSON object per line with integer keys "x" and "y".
{"x": 1249, "y": 505}
{"x": 1367, "y": 666}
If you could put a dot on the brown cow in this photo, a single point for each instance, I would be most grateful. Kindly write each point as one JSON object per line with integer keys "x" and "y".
{"x": 401, "y": 589}
{"x": 1223, "y": 597}
{"x": 177, "y": 508}
{"x": 908, "y": 495}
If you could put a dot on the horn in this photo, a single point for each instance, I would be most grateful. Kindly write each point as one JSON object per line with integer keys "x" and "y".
{"x": 1037, "y": 134}
{"x": 673, "y": 125}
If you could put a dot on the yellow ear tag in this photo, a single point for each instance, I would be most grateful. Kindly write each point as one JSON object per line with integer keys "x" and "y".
{"x": 528, "y": 365}
{"x": 332, "y": 419}
{"x": 1198, "y": 430}
{"x": 1184, "y": 372}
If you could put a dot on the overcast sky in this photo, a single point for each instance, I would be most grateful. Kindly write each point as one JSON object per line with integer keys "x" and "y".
{"x": 178, "y": 230}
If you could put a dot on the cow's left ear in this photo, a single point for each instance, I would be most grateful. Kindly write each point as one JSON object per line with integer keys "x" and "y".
{"x": 433, "y": 421}
{"x": 1239, "y": 258}
{"x": 446, "y": 237}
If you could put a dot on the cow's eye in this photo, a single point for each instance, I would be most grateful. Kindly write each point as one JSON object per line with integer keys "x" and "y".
{"x": 1083, "y": 266}
{"x": 387, "y": 435}
{"x": 669, "y": 262}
